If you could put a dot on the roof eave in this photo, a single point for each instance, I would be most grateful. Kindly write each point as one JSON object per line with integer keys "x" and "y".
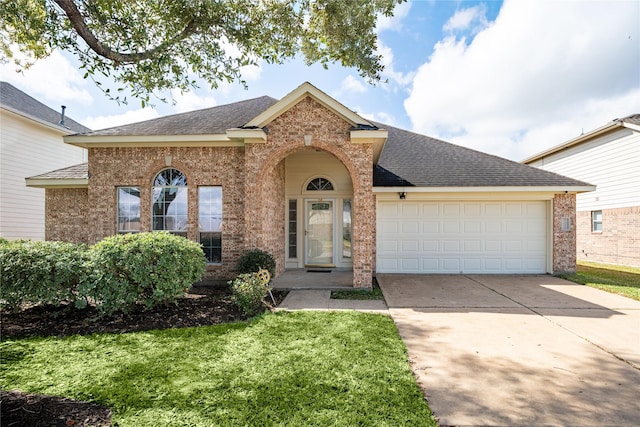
{"x": 56, "y": 128}
{"x": 580, "y": 139}
{"x": 488, "y": 189}
{"x": 101, "y": 141}
{"x": 57, "y": 182}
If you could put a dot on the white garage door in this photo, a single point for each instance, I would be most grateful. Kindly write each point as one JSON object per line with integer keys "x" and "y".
{"x": 502, "y": 237}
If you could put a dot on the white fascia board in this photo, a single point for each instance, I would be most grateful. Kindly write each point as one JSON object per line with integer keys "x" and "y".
{"x": 554, "y": 189}
{"x": 57, "y": 183}
{"x": 247, "y": 135}
{"x": 368, "y": 136}
{"x": 99, "y": 141}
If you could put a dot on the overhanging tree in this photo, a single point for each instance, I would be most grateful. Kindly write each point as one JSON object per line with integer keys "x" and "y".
{"x": 149, "y": 46}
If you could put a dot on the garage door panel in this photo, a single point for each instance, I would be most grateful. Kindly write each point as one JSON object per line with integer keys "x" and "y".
{"x": 468, "y": 237}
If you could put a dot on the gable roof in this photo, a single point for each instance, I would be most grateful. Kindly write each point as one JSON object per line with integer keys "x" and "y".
{"x": 630, "y": 122}
{"x": 413, "y": 160}
{"x": 407, "y": 159}
{"x": 15, "y": 100}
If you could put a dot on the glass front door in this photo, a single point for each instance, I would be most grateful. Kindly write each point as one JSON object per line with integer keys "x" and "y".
{"x": 319, "y": 233}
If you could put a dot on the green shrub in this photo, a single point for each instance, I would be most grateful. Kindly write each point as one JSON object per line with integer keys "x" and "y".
{"x": 142, "y": 268}
{"x": 41, "y": 272}
{"x": 253, "y": 260}
{"x": 249, "y": 293}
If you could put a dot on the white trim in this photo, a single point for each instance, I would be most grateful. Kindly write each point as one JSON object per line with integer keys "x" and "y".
{"x": 247, "y": 135}
{"x": 57, "y": 182}
{"x": 57, "y": 128}
{"x": 295, "y": 96}
{"x": 368, "y": 136}
{"x": 505, "y": 189}
{"x": 619, "y": 123}
{"x": 101, "y": 141}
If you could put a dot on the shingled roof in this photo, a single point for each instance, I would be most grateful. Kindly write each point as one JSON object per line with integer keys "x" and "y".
{"x": 413, "y": 160}
{"x": 214, "y": 120}
{"x": 16, "y": 100}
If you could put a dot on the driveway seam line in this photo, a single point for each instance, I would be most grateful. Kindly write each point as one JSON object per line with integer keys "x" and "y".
{"x": 557, "y": 324}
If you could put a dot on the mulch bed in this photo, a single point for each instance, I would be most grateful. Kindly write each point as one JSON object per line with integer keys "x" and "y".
{"x": 202, "y": 306}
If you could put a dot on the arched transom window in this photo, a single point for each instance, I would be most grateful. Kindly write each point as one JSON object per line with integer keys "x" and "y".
{"x": 169, "y": 202}
{"x": 319, "y": 184}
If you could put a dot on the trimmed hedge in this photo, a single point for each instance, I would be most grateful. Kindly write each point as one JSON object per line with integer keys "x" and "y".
{"x": 35, "y": 272}
{"x": 116, "y": 273}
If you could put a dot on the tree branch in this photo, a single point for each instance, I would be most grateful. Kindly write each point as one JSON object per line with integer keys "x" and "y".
{"x": 79, "y": 24}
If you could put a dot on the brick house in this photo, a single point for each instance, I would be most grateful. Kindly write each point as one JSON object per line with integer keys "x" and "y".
{"x": 608, "y": 219}
{"x": 316, "y": 185}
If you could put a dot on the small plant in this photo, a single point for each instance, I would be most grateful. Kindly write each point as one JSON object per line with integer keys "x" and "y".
{"x": 249, "y": 292}
{"x": 255, "y": 259}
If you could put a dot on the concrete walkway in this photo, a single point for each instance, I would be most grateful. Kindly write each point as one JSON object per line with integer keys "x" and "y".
{"x": 519, "y": 351}
{"x": 320, "y": 299}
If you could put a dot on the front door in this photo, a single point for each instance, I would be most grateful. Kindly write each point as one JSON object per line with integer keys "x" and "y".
{"x": 319, "y": 233}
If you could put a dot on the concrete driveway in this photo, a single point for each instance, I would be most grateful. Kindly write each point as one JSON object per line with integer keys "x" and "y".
{"x": 519, "y": 350}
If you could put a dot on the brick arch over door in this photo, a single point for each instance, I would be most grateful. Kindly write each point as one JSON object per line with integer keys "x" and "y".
{"x": 264, "y": 181}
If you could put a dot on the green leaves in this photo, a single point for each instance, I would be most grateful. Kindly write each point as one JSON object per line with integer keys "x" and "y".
{"x": 150, "y": 46}
{"x": 248, "y": 293}
{"x": 115, "y": 274}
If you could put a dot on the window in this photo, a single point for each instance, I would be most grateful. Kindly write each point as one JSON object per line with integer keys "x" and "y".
{"x": 210, "y": 222}
{"x": 346, "y": 228}
{"x": 596, "y": 221}
{"x": 293, "y": 228}
{"x": 128, "y": 210}
{"x": 169, "y": 202}
{"x": 319, "y": 184}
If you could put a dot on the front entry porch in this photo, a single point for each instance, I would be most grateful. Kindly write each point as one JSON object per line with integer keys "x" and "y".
{"x": 310, "y": 278}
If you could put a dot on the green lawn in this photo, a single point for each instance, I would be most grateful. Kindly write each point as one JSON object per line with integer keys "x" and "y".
{"x": 624, "y": 281}
{"x": 281, "y": 369}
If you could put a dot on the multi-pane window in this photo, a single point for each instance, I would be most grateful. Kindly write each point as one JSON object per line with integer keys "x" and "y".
{"x": 319, "y": 184}
{"x": 169, "y": 202}
{"x": 210, "y": 222}
{"x": 293, "y": 228}
{"x": 346, "y": 228}
{"x": 128, "y": 210}
{"x": 596, "y": 221}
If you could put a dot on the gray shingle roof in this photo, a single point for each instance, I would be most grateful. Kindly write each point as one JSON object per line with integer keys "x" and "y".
{"x": 633, "y": 119}
{"x": 413, "y": 160}
{"x": 80, "y": 171}
{"x": 17, "y": 100}
{"x": 214, "y": 120}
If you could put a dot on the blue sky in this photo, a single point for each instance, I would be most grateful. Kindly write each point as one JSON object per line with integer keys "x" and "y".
{"x": 508, "y": 78}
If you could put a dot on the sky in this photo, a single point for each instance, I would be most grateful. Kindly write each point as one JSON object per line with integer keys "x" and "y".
{"x": 510, "y": 78}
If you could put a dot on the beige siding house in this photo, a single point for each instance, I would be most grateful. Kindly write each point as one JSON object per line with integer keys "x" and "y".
{"x": 31, "y": 142}
{"x": 608, "y": 219}
{"x": 319, "y": 187}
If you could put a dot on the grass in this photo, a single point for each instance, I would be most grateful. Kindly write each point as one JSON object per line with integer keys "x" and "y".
{"x": 360, "y": 294}
{"x": 619, "y": 280}
{"x": 280, "y": 369}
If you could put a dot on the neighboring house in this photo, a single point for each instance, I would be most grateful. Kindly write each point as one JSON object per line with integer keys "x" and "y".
{"x": 316, "y": 185}
{"x": 608, "y": 219}
{"x": 30, "y": 143}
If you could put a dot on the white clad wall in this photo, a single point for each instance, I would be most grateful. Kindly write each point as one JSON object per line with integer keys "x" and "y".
{"x": 28, "y": 148}
{"x": 453, "y": 237}
{"x": 611, "y": 162}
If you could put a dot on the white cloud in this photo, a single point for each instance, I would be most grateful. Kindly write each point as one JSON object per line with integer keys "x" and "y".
{"x": 395, "y": 77}
{"x": 189, "y": 101}
{"x": 53, "y": 78}
{"x": 349, "y": 85}
{"x": 380, "y": 117}
{"x": 394, "y": 22}
{"x": 472, "y": 18}
{"x": 533, "y": 78}
{"x": 133, "y": 116}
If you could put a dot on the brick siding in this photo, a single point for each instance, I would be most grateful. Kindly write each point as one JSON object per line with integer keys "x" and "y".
{"x": 66, "y": 214}
{"x": 619, "y": 241}
{"x": 564, "y": 242}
